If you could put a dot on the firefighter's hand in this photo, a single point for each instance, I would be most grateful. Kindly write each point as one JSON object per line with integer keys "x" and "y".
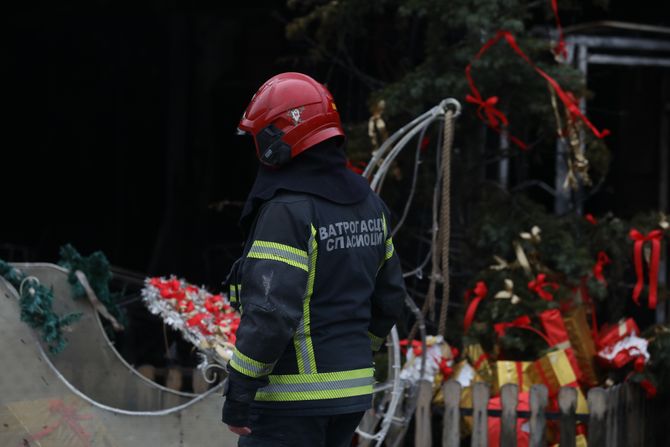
{"x": 235, "y": 415}
{"x": 241, "y": 431}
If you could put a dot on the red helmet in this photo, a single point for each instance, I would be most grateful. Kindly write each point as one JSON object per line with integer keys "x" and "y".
{"x": 290, "y": 113}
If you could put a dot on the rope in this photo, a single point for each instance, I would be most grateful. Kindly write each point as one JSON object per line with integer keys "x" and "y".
{"x": 429, "y": 302}
{"x": 445, "y": 215}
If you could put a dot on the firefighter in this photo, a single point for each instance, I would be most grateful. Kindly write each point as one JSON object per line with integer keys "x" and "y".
{"x": 319, "y": 285}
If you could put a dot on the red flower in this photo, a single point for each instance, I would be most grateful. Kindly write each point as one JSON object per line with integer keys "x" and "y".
{"x": 185, "y": 306}
{"x": 199, "y": 321}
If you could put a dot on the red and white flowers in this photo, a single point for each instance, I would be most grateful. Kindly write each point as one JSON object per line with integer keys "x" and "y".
{"x": 206, "y": 320}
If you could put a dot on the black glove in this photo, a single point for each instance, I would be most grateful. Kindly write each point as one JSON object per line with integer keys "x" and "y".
{"x": 235, "y": 413}
{"x": 239, "y": 392}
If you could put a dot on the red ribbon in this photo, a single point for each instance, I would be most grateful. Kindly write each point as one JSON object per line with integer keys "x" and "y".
{"x": 611, "y": 334}
{"x": 559, "y": 49}
{"x": 358, "y": 168}
{"x": 523, "y": 322}
{"x": 655, "y": 238}
{"x": 493, "y": 117}
{"x": 482, "y": 358}
{"x": 649, "y": 388}
{"x": 624, "y": 357}
{"x": 539, "y": 286}
{"x": 519, "y": 374}
{"x": 416, "y": 346}
{"x": 591, "y": 219}
{"x": 520, "y": 322}
{"x": 445, "y": 369}
{"x": 602, "y": 261}
{"x": 480, "y": 290}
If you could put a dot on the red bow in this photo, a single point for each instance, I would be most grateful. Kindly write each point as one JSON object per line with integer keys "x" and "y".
{"x": 416, "y": 346}
{"x": 655, "y": 238}
{"x": 480, "y": 292}
{"x": 445, "y": 369}
{"x": 495, "y": 117}
{"x": 602, "y": 261}
{"x": 539, "y": 286}
{"x": 491, "y": 116}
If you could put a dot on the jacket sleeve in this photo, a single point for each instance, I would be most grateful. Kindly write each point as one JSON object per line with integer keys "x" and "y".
{"x": 274, "y": 276}
{"x": 388, "y": 298}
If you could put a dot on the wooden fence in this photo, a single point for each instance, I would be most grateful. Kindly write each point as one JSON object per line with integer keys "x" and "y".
{"x": 617, "y": 416}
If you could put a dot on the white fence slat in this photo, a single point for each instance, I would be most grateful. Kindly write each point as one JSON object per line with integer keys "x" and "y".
{"x": 538, "y": 419}
{"x": 451, "y": 431}
{"x": 423, "y": 436}
{"x": 509, "y": 395}
{"x": 612, "y": 437}
{"x": 567, "y": 403}
{"x": 597, "y": 399}
{"x": 480, "y": 402}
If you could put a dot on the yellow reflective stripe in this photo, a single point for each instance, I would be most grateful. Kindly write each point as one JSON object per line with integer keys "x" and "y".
{"x": 234, "y": 292}
{"x": 248, "y": 366}
{"x": 298, "y": 387}
{"x": 389, "y": 249}
{"x": 302, "y": 340}
{"x": 377, "y": 342}
{"x": 321, "y": 377}
{"x": 267, "y": 244}
{"x": 279, "y": 252}
{"x": 384, "y": 225}
{"x": 313, "y": 395}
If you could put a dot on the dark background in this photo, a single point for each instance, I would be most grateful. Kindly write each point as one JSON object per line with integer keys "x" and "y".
{"x": 119, "y": 128}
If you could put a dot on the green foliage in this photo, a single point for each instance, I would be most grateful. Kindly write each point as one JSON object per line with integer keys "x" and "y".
{"x": 36, "y": 303}
{"x": 566, "y": 252}
{"x": 412, "y": 53}
{"x": 96, "y": 269}
{"x": 659, "y": 350}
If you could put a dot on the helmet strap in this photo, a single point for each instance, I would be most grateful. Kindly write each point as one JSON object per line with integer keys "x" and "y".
{"x": 272, "y": 151}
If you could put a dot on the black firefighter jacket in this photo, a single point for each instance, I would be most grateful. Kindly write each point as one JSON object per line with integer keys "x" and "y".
{"x": 319, "y": 287}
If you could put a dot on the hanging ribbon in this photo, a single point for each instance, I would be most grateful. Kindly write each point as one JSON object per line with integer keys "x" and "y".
{"x": 602, "y": 261}
{"x": 501, "y": 328}
{"x": 523, "y": 322}
{"x": 486, "y": 110}
{"x": 560, "y": 50}
{"x": 494, "y": 118}
{"x": 540, "y": 284}
{"x": 480, "y": 290}
{"x": 655, "y": 238}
